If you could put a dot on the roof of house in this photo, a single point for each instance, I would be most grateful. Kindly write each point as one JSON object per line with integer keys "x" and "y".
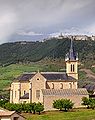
{"x": 25, "y": 77}
{"x": 50, "y": 76}
{"x": 64, "y": 92}
{"x": 57, "y": 76}
{"x": 26, "y": 96}
{"x": 6, "y": 113}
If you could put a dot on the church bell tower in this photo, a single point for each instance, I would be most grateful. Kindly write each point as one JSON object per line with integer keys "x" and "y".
{"x": 71, "y": 60}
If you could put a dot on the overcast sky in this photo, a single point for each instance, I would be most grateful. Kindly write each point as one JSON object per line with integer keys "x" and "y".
{"x": 37, "y": 19}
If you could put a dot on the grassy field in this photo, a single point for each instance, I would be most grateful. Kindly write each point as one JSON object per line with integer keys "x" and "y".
{"x": 79, "y": 114}
{"x": 8, "y": 73}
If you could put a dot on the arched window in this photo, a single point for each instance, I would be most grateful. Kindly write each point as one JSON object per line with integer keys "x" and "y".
{"x": 52, "y": 85}
{"x": 61, "y": 86}
{"x": 24, "y": 92}
{"x": 70, "y": 85}
{"x": 71, "y": 68}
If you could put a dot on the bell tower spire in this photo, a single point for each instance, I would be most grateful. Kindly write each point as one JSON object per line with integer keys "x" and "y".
{"x": 72, "y": 62}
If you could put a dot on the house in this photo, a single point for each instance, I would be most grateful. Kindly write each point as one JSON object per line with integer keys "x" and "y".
{"x": 45, "y": 87}
{"x": 10, "y": 115}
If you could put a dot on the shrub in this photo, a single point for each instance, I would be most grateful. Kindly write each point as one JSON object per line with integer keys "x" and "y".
{"x": 63, "y": 104}
{"x": 39, "y": 107}
{"x": 28, "y": 107}
{"x": 92, "y": 103}
{"x": 86, "y": 102}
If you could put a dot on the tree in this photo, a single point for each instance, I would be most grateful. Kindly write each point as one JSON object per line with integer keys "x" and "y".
{"x": 39, "y": 107}
{"x": 92, "y": 103}
{"x": 86, "y": 102}
{"x": 33, "y": 107}
{"x": 67, "y": 104}
{"x": 63, "y": 104}
{"x": 2, "y": 103}
{"x": 58, "y": 104}
{"x": 13, "y": 107}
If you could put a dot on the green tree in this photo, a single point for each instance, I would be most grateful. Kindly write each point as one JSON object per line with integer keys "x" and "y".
{"x": 2, "y": 103}
{"x": 9, "y": 106}
{"x": 86, "y": 102}
{"x": 63, "y": 104}
{"x": 67, "y": 104}
{"x": 58, "y": 104}
{"x": 39, "y": 107}
{"x": 92, "y": 103}
{"x": 33, "y": 107}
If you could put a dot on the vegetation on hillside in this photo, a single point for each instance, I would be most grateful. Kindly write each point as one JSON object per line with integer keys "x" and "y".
{"x": 43, "y": 56}
{"x": 19, "y": 52}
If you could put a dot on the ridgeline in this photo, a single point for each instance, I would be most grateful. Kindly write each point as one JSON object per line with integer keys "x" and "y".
{"x": 26, "y": 52}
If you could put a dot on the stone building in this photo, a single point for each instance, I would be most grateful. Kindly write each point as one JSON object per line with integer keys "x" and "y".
{"x": 45, "y": 87}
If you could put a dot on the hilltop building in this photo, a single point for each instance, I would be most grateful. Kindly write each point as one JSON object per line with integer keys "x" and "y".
{"x": 45, "y": 87}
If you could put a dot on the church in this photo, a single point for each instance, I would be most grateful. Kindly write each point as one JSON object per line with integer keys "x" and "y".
{"x": 45, "y": 87}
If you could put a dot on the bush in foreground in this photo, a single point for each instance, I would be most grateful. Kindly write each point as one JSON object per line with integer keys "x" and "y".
{"x": 27, "y": 108}
{"x": 39, "y": 107}
{"x": 86, "y": 102}
{"x": 63, "y": 104}
{"x": 89, "y": 102}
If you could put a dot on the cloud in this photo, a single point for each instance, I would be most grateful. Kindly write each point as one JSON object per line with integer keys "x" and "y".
{"x": 7, "y": 26}
{"x": 56, "y": 34}
{"x": 30, "y": 33}
{"x": 45, "y": 16}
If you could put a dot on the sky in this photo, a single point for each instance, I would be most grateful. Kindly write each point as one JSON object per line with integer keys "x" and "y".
{"x": 38, "y": 19}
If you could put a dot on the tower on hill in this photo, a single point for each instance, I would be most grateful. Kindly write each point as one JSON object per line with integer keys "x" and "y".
{"x": 72, "y": 62}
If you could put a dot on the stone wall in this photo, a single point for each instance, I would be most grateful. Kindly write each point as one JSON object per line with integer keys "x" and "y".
{"x": 48, "y": 100}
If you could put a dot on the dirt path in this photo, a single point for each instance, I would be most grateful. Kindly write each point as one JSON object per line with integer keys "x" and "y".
{"x": 89, "y": 73}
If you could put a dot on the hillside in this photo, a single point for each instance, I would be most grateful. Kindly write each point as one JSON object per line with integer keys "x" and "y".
{"x": 26, "y": 52}
{"x": 19, "y": 57}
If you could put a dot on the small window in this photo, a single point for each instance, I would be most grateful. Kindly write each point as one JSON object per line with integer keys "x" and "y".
{"x": 61, "y": 86}
{"x": 71, "y": 68}
{"x": 52, "y": 85}
{"x": 15, "y": 94}
{"x": 37, "y": 94}
{"x": 15, "y": 118}
{"x": 24, "y": 92}
{"x": 70, "y": 85}
{"x": 38, "y": 79}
